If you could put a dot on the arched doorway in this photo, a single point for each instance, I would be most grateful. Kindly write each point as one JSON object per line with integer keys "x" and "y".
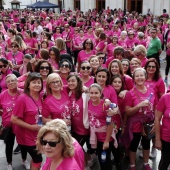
{"x": 100, "y": 4}
{"x": 135, "y": 5}
{"x": 77, "y": 4}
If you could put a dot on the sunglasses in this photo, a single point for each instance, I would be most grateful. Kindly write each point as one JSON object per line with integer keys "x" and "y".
{"x": 101, "y": 58}
{"x": 52, "y": 144}
{"x": 83, "y": 68}
{"x": 151, "y": 66}
{"x": 137, "y": 54}
{"x": 65, "y": 65}
{"x": 4, "y": 66}
{"x": 44, "y": 67}
{"x": 13, "y": 46}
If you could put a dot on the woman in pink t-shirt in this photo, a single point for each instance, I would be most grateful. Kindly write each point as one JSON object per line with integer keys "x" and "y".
{"x": 56, "y": 103}
{"x": 15, "y": 56}
{"x": 139, "y": 109}
{"x": 59, "y": 147}
{"x": 57, "y": 33}
{"x": 140, "y": 53}
{"x": 86, "y": 52}
{"x": 27, "y": 117}
{"x": 85, "y": 72}
{"x": 7, "y": 102}
{"x": 162, "y": 126}
{"x": 110, "y": 47}
{"x": 64, "y": 70}
{"x": 115, "y": 67}
{"x": 54, "y": 59}
{"x": 32, "y": 44}
{"x": 80, "y": 129}
{"x": 100, "y": 136}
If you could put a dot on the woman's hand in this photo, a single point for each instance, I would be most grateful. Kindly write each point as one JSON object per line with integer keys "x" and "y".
{"x": 122, "y": 94}
{"x": 112, "y": 112}
{"x": 144, "y": 103}
{"x": 35, "y": 127}
{"x": 105, "y": 145}
{"x": 158, "y": 144}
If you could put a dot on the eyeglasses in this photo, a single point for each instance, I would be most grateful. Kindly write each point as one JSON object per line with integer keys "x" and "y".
{"x": 52, "y": 144}
{"x": 101, "y": 58}
{"x": 127, "y": 65}
{"x": 65, "y": 65}
{"x": 44, "y": 67}
{"x": 153, "y": 32}
{"x": 13, "y": 46}
{"x": 4, "y": 66}
{"x": 83, "y": 68}
{"x": 75, "y": 30}
{"x": 88, "y": 43}
{"x": 10, "y": 81}
{"x": 55, "y": 82}
{"x": 137, "y": 54}
{"x": 151, "y": 66}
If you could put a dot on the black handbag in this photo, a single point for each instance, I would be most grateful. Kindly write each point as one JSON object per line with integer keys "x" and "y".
{"x": 147, "y": 129}
{"x": 5, "y": 132}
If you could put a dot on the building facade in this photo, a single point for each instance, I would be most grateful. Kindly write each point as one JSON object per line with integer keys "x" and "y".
{"x": 155, "y": 6}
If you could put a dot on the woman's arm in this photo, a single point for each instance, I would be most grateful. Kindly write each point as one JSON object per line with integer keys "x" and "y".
{"x": 132, "y": 110}
{"x": 16, "y": 120}
{"x": 158, "y": 116}
{"x": 108, "y": 136}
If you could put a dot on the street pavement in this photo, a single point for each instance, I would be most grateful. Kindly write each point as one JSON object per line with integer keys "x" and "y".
{"x": 17, "y": 162}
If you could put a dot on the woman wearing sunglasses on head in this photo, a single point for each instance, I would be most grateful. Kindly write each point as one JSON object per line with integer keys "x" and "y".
{"x": 44, "y": 68}
{"x": 85, "y": 72}
{"x": 4, "y": 71}
{"x": 27, "y": 117}
{"x": 61, "y": 150}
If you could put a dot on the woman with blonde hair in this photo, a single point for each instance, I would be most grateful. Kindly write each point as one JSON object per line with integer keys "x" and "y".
{"x": 61, "y": 45}
{"x": 140, "y": 53}
{"x": 61, "y": 150}
{"x": 57, "y": 102}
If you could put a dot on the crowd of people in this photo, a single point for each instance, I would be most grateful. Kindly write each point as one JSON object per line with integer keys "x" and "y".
{"x": 77, "y": 78}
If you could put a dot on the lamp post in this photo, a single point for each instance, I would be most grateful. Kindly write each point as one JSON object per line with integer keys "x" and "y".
{"x": 124, "y": 7}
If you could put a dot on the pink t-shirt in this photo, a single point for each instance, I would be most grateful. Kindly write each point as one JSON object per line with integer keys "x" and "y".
{"x": 158, "y": 86}
{"x": 57, "y": 35}
{"x": 7, "y": 103}
{"x": 77, "y": 116}
{"x": 2, "y": 81}
{"x": 56, "y": 108}
{"x": 143, "y": 62}
{"x": 122, "y": 43}
{"x": 97, "y": 118}
{"x": 110, "y": 49}
{"x": 164, "y": 107}
{"x": 83, "y": 56}
{"x": 101, "y": 45}
{"x": 128, "y": 82}
{"x": 16, "y": 58}
{"x": 31, "y": 43}
{"x": 67, "y": 163}
{"x": 134, "y": 97}
{"x": 90, "y": 82}
{"x": 26, "y": 110}
{"x": 110, "y": 93}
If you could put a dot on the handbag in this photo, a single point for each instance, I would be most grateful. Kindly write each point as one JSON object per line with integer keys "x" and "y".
{"x": 147, "y": 128}
{"x": 5, "y": 132}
